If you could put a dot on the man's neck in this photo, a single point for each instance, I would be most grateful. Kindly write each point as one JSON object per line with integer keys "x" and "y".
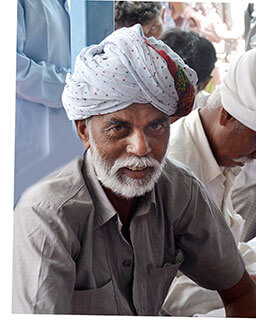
{"x": 208, "y": 120}
{"x": 124, "y": 207}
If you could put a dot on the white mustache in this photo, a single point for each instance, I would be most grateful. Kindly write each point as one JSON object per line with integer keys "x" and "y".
{"x": 134, "y": 162}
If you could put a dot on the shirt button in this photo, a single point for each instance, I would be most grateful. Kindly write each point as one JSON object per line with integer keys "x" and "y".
{"x": 127, "y": 263}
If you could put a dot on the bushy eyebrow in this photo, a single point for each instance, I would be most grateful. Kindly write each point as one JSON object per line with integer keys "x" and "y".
{"x": 160, "y": 120}
{"x": 117, "y": 122}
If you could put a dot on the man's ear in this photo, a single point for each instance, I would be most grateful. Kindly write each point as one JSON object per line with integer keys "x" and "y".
{"x": 83, "y": 132}
{"x": 224, "y": 117}
{"x": 173, "y": 119}
{"x": 204, "y": 85}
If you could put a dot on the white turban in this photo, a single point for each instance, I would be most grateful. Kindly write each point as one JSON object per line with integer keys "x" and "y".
{"x": 128, "y": 68}
{"x": 238, "y": 89}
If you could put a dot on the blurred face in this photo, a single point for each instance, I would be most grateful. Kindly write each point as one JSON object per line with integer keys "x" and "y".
{"x": 128, "y": 148}
{"x": 177, "y": 9}
{"x": 154, "y": 28}
{"x": 240, "y": 145}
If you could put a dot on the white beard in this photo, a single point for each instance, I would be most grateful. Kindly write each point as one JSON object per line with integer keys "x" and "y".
{"x": 120, "y": 184}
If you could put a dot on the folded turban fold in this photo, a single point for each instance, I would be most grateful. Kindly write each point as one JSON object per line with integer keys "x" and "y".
{"x": 238, "y": 89}
{"x": 126, "y": 68}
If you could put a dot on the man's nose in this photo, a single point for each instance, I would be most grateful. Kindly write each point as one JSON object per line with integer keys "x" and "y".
{"x": 138, "y": 144}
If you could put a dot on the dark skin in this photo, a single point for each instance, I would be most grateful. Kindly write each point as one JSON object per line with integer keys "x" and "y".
{"x": 125, "y": 211}
{"x": 228, "y": 138}
{"x": 143, "y": 130}
{"x": 154, "y": 28}
{"x": 139, "y": 130}
{"x": 239, "y": 300}
{"x": 125, "y": 208}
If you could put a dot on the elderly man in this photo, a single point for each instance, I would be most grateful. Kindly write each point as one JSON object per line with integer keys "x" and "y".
{"x": 215, "y": 142}
{"x": 107, "y": 233}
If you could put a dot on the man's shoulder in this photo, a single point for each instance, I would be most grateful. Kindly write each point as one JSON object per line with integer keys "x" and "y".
{"x": 184, "y": 129}
{"x": 188, "y": 144}
{"x": 177, "y": 172}
{"x": 185, "y": 125}
{"x": 177, "y": 188}
{"x": 57, "y": 188}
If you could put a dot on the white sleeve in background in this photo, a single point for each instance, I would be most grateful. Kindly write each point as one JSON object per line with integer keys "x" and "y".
{"x": 248, "y": 252}
{"x": 186, "y": 298}
{"x": 40, "y": 78}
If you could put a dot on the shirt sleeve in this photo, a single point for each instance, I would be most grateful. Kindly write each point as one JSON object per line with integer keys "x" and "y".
{"x": 44, "y": 269}
{"x": 211, "y": 256}
{"x": 40, "y": 82}
{"x": 249, "y": 255}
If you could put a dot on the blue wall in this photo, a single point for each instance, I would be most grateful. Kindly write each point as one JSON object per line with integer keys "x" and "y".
{"x": 91, "y": 22}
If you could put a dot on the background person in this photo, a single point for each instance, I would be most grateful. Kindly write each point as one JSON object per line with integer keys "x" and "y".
{"x": 244, "y": 189}
{"x": 196, "y": 51}
{"x": 43, "y": 60}
{"x": 220, "y": 23}
{"x": 148, "y": 14}
{"x": 216, "y": 141}
{"x": 250, "y": 26}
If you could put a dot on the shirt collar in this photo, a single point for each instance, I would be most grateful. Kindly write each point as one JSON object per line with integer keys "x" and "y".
{"x": 209, "y": 166}
{"x": 146, "y": 202}
{"x": 104, "y": 210}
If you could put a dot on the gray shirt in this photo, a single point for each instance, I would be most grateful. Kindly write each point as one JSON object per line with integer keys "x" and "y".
{"x": 71, "y": 257}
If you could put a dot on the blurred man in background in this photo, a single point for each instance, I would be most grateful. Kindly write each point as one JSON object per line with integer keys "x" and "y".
{"x": 215, "y": 142}
{"x": 148, "y": 14}
{"x": 43, "y": 60}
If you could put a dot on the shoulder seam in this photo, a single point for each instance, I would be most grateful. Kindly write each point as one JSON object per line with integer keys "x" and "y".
{"x": 70, "y": 197}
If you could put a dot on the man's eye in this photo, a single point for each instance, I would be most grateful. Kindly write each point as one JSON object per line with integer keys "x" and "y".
{"x": 156, "y": 126}
{"x": 117, "y": 128}
{"x": 118, "y": 131}
{"x": 153, "y": 28}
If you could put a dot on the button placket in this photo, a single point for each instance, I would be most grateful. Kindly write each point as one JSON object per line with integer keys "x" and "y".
{"x": 127, "y": 263}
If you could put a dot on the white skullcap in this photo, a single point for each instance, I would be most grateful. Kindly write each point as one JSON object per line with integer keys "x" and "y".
{"x": 128, "y": 68}
{"x": 238, "y": 89}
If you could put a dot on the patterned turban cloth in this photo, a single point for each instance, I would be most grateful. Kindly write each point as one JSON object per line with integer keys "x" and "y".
{"x": 126, "y": 68}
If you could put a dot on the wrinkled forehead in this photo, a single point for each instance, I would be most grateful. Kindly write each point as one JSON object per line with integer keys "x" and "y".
{"x": 136, "y": 114}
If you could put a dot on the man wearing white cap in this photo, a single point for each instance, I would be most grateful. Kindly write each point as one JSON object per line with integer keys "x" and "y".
{"x": 107, "y": 233}
{"x": 215, "y": 142}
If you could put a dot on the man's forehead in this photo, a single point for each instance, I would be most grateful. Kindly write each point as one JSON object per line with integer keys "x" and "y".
{"x": 134, "y": 113}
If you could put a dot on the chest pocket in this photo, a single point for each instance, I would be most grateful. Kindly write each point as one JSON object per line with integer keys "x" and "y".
{"x": 159, "y": 281}
{"x": 100, "y": 301}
